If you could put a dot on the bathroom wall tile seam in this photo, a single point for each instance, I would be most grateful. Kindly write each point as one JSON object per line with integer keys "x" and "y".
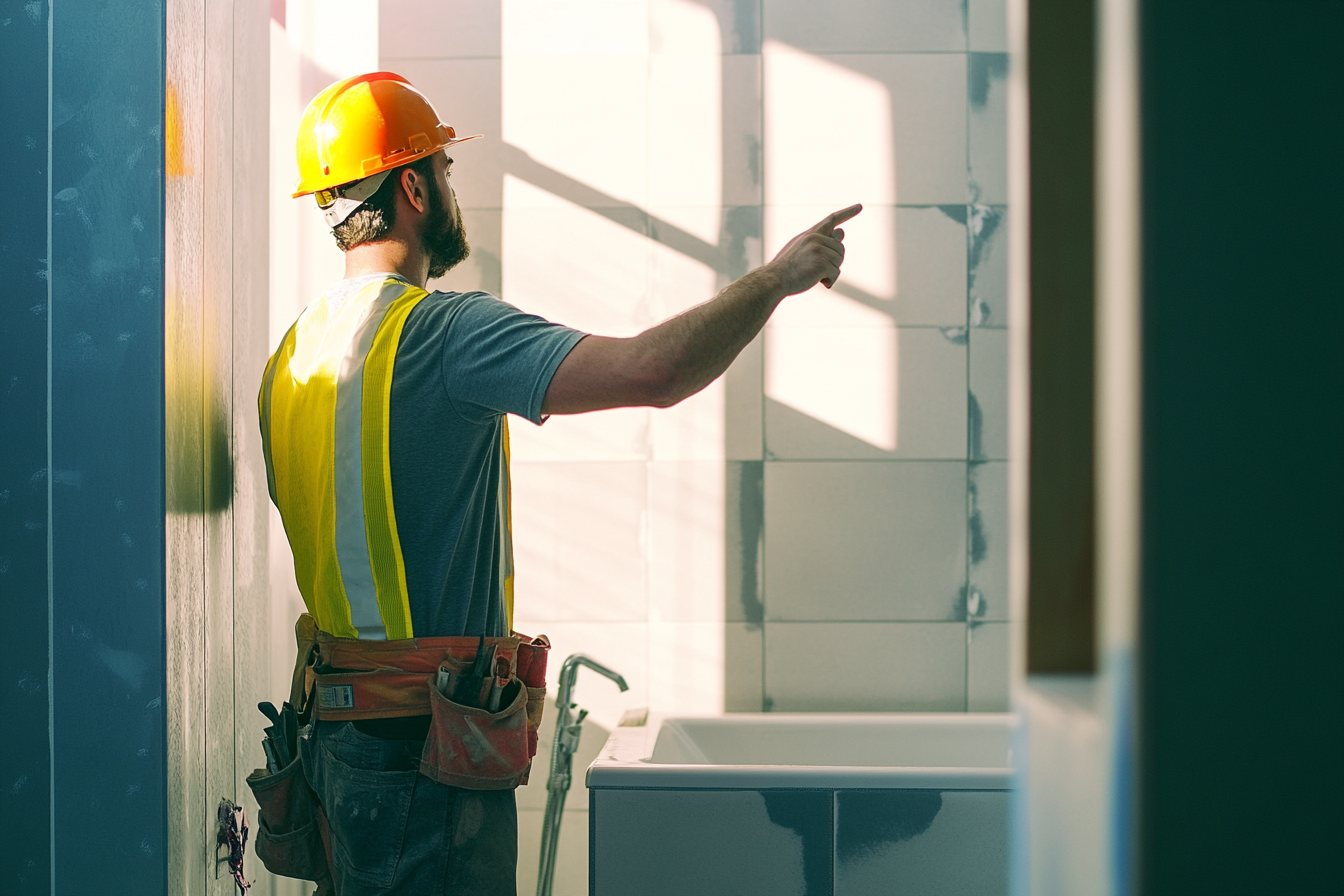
{"x": 966, "y": 571}
{"x": 858, "y": 620}
{"x": 868, "y": 460}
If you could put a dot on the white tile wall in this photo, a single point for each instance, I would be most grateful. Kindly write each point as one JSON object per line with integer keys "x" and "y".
{"x": 989, "y": 387}
{"x": 988, "y": 236}
{"x": 413, "y": 29}
{"x": 571, "y": 863}
{"x": 743, "y": 682}
{"x": 930, "y": 254}
{"x": 559, "y": 110}
{"x": 988, "y": 75}
{"x": 742, "y": 134}
{"x": 573, "y": 264}
{"x": 685, "y": 541}
{"x": 987, "y": 487}
{"x": 864, "y": 540}
{"x": 866, "y": 26}
{"x": 738, "y": 22}
{"x": 923, "y": 122}
{"x": 865, "y": 667}
{"x": 579, "y": 28}
{"x": 686, "y": 666}
{"x": 987, "y": 667}
{"x": 579, "y": 540}
{"x": 987, "y": 26}
{"x": 898, "y": 393}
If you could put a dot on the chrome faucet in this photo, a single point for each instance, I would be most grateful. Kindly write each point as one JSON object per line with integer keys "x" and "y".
{"x": 567, "y": 729}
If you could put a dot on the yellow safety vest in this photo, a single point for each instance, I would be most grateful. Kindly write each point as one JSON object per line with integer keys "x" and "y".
{"x": 325, "y": 406}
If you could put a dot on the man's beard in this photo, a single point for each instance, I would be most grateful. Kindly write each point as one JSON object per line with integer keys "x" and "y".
{"x": 444, "y": 239}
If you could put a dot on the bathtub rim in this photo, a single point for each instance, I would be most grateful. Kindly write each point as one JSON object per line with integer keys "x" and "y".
{"x": 623, "y": 764}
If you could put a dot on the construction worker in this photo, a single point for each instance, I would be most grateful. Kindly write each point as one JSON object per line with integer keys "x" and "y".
{"x": 386, "y": 441}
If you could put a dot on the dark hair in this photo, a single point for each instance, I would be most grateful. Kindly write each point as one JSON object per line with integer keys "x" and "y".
{"x": 374, "y": 220}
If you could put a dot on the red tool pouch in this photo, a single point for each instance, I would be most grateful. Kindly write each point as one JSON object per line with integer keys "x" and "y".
{"x": 289, "y": 835}
{"x": 474, "y": 748}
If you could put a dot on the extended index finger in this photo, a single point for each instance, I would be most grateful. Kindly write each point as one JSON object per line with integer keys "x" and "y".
{"x": 829, "y": 223}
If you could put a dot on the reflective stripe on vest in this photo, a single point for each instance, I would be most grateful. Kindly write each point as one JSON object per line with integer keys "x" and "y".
{"x": 325, "y": 420}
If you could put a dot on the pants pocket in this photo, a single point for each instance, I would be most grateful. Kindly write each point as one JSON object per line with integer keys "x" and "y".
{"x": 289, "y": 841}
{"x": 476, "y": 749}
{"x": 366, "y": 811}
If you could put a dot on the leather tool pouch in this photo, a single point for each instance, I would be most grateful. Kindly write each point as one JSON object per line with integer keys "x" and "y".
{"x": 289, "y": 833}
{"x": 291, "y": 836}
{"x": 479, "y": 750}
{"x": 474, "y": 748}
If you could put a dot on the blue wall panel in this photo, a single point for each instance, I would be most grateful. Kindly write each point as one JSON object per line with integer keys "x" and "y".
{"x": 107, "y": 506}
{"x": 25, "y": 781}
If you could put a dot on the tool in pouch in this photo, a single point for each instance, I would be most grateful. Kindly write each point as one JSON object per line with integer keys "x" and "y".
{"x": 291, "y": 838}
{"x": 479, "y": 736}
{"x": 486, "y": 686}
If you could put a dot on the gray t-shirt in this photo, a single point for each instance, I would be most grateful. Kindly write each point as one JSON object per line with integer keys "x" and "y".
{"x": 464, "y": 360}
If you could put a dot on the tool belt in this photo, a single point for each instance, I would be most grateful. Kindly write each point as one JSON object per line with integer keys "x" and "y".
{"x": 343, "y": 679}
{"x": 468, "y": 746}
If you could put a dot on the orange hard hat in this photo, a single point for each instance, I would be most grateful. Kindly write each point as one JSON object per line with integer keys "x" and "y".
{"x": 365, "y": 125}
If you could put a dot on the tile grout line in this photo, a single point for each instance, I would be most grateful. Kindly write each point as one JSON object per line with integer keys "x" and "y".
{"x": 761, "y": 571}
{"x": 966, "y": 503}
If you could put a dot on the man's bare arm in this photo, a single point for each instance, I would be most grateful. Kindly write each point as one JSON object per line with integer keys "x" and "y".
{"x": 677, "y": 358}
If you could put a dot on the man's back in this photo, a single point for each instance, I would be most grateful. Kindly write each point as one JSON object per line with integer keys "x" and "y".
{"x": 465, "y": 361}
{"x": 462, "y": 361}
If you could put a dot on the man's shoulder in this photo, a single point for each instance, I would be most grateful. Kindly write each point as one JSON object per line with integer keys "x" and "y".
{"x": 447, "y": 319}
{"x": 444, "y": 306}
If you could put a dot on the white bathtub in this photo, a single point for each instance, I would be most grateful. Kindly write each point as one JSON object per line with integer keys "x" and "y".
{"x": 822, "y": 805}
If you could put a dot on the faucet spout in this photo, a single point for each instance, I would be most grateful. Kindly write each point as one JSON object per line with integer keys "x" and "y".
{"x": 569, "y": 673}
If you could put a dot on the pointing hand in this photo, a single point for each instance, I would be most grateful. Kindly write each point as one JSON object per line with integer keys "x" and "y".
{"x": 814, "y": 256}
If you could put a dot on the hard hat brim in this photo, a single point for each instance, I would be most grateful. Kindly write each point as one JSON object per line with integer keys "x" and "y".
{"x": 394, "y": 163}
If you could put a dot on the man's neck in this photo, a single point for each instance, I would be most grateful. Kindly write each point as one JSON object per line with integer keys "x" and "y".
{"x": 390, "y": 256}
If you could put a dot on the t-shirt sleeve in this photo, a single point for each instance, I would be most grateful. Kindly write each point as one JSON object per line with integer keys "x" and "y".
{"x": 499, "y": 360}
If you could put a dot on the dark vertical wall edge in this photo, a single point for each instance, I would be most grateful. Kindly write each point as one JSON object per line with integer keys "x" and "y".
{"x": 1061, "y": 612}
{"x": 1241, "y": 688}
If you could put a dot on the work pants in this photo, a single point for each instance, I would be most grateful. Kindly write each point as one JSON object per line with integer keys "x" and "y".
{"x": 396, "y": 832}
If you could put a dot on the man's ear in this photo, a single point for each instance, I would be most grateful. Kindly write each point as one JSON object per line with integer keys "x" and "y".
{"x": 413, "y": 186}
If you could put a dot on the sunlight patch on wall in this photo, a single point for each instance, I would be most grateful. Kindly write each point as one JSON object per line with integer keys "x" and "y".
{"x": 574, "y": 28}
{"x": 835, "y": 359}
{"x": 685, "y": 117}
{"x": 829, "y": 144}
{"x": 575, "y": 90}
